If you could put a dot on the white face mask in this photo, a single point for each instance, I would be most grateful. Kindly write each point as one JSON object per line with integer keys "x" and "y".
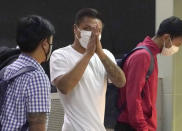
{"x": 85, "y": 37}
{"x": 169, "y": 51}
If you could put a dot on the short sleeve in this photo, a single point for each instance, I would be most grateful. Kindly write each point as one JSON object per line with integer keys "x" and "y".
{"x": 38, "y": 93}
{"x": 58, "y": 64}
{"x": 111, "y": 56}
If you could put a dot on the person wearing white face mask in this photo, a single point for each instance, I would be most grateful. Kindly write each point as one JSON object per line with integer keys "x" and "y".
{"x": 140, "y": 93}
{"x": 80, "y": 72}
{"x": 85, "y": 37}
{"x": 27, "y": 97}
{"x": 169, "y": 51}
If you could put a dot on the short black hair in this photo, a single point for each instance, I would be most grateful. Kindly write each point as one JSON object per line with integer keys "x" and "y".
{"x": 172, "y": 26}
{"x": 31, "y": 30}
{"x": 87, "y": 12}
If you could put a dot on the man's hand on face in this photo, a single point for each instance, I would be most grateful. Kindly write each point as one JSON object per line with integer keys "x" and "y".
{"x": 91, "y": 47}
{"x": 94, "y": 45}
{"x": 99, "y": 49}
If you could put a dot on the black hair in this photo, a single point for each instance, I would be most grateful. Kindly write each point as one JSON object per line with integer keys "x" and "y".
{"x": 87, "y": 12}
{"x": 31, "y": 30}
{"x": 172, "y": 26}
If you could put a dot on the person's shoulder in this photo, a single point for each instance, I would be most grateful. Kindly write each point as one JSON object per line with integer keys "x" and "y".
{"x": 38, "y": 76}
{"x": 110, "y": 55}
{"x": 37, "y": 81}
{"x": 107, "y": 51}
{"x": 13, "y": 67}
{"x": 140, "y": 55}
{"x": 61, "y": 50}
{"x": 61, "y": 53}
{"x": 38, "y": 73}
{"x": 35, "y": 76}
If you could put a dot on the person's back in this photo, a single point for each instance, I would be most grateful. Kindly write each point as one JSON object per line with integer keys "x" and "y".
{"x": 140, "y": 93}
{"x": 27, "y": 98}
{"x": 146, "y": 86}
{"x": 23, "y": 93}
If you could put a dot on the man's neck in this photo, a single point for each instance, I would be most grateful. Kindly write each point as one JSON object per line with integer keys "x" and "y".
{"x": 76, "y": 45}
{"x": 36, "y": 56}
{"x": 158, "y": 42}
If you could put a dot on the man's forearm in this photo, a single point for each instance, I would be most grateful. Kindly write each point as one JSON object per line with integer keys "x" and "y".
{"x": 115, "y": 74}
{"x": 37, "y": 121}
{"x": 68, "y": 81}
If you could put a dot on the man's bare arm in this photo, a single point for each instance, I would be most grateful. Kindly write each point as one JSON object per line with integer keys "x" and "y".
{"x": 37, "y": 121}
{"x": 115, "y": 74}
{"x": 67, "y": 82}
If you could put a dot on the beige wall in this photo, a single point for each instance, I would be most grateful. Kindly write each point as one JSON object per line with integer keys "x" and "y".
{"x": 177, "y": 78}
{"x": 164, "y": 9}
{"x": 177, "y": 92}
{"x": 178, "y": 8}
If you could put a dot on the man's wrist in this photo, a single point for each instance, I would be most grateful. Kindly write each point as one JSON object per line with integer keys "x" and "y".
{"x": 101, "y": 55}
{"x": 88, "y": 55}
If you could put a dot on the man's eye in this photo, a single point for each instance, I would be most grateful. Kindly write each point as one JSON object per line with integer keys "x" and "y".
{"x": 88, "y": 29}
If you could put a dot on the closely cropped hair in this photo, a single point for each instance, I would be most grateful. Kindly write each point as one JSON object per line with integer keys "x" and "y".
{"x": 31, "y": 30}
{"x": 87, "y": 12}
{"x": 172, "y": 26}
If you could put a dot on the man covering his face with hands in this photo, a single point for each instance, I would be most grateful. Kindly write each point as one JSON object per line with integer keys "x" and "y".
{"x": 80, "y": 72}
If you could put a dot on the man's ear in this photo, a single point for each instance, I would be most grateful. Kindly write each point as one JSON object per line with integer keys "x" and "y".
{"x": 166, "y": 39}
{"x": 74, "y": 28}
{"x": 44, "y": 43}
{"x": 76, "y": 31}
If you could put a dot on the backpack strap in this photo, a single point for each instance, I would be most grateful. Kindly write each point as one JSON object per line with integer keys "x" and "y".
{"x": 21, "y": 71}
{"x": 9, "y": 60}
{"x": 151, "y": 68}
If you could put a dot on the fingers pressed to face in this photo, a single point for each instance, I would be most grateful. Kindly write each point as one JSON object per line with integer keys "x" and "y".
{"x": 90, "y": 24}
{"x": 95, "y": 30}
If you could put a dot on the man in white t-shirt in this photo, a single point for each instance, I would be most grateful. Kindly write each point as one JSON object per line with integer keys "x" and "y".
{"x": 80, "y": 72}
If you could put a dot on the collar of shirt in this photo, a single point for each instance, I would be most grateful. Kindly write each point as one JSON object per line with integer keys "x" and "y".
{"x": 151, "y": 45}
{"x": 30, "y": 61}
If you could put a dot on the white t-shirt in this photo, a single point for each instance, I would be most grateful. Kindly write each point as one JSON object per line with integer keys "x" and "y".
{"x": 84, "y": 106}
